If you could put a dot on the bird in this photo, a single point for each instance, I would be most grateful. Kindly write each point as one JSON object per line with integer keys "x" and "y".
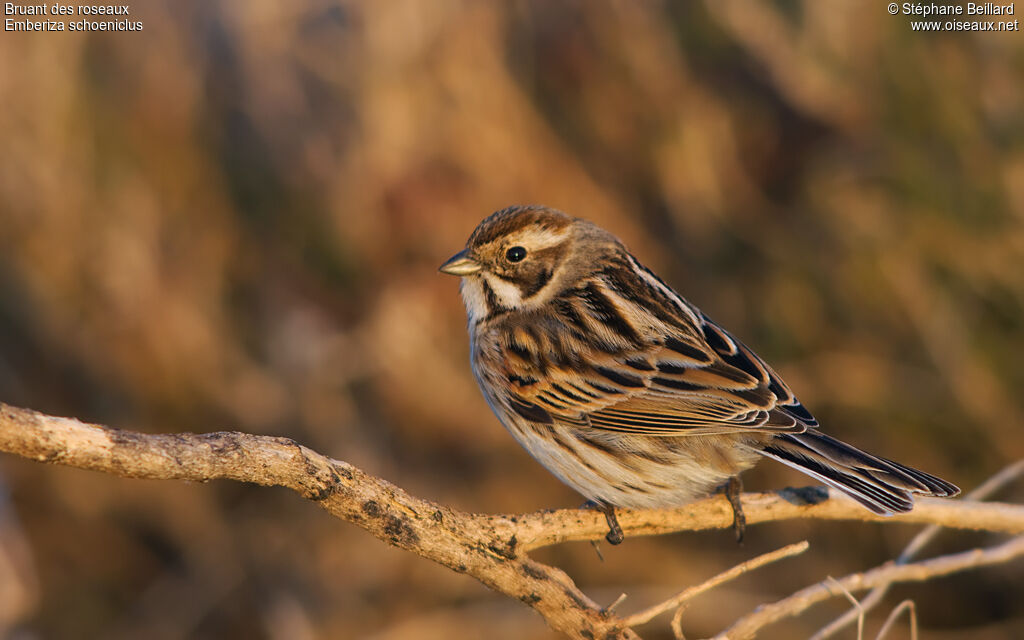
{"x": 627, "y": 392}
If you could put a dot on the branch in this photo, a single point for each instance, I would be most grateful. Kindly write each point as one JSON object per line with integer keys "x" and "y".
{"x": 491, "y": 548}
{"x": 890, "y": 573}
{"x": 680, "y": 599}
{"x": 547, "y": 528}
{"x": 894, "y": 615}
{"x": 981, "y": 492}
{"x": 484, "y": 547}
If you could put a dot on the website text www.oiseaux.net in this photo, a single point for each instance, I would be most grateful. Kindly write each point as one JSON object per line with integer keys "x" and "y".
{"x": 958, "y": 17}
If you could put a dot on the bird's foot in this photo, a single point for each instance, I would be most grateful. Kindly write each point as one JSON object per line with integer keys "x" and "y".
{"x": 615, "y": 535}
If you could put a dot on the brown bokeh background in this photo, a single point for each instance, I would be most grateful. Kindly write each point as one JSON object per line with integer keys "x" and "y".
{"x": 233, "y": 219}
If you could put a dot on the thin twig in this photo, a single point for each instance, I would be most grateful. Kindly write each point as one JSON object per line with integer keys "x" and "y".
{"x": 749, "y": 625}
{"x": 911, "y": 609}
{"x": 677, "y": 623}
{"x": 995, "y": 483}
{"x": 832, "y": 582}
{"x": 682, "y": 597}
{"x": 622, "y": 598}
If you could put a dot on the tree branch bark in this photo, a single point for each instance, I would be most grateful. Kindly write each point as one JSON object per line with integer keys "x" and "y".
{"x": 491, "y": 548}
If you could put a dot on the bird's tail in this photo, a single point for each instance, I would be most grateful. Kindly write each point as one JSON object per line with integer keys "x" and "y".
{"x": 881, "y": 485}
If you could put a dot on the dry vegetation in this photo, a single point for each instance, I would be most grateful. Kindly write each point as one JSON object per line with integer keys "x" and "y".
{"x": 233, "y": 220}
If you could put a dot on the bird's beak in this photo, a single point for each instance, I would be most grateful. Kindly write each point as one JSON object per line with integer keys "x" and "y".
{"x": 460, "y": 264}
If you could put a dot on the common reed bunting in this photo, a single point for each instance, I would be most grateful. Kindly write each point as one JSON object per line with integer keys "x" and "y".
{"x": 627, "y": 392}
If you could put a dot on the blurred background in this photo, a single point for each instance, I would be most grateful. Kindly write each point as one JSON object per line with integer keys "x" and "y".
{"x": 233, "y": 220}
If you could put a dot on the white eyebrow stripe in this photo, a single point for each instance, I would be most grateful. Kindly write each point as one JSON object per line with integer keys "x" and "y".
{"x": 537, "y": 239}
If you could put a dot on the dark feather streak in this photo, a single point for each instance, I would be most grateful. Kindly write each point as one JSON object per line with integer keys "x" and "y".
{"x": 585, "y": 392}
{"x": 521, "y": 381}
{"x": 568, "y": 394}
{"x": 759, "y": 397}
{"x": 531, "y": 287}
{"x": 687, "y": 350}
{"x": 743, "y": 361}
{"x": 638, "y": 363}
{"x": 530, "y": 411}
{"x": 797, "y": 410}
{"x": 619, "y": 377}
{"x": 677, "y": 384}
{"x": 716, "y": 338}
{"x": 603, "y": 388}
{"x": 609, "y": 314}
{"x": 665, "y": 367}
{"x": 568, "y": 310}
{"x": 494, "y": 307}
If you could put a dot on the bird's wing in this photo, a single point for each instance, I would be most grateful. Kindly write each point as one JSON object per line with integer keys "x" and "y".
{"x": 678, "y": 383}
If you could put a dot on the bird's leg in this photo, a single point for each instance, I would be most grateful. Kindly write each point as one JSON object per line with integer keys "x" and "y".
{"x": 733, "y": 489}
{"x": 615, "y": 535}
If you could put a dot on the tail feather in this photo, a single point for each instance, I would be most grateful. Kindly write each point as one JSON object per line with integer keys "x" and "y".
{"x": 936, "y": 486}
{"x": 883, "y": 486}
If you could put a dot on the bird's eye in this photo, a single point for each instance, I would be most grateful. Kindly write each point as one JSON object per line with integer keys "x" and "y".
{"x": 515, "y": 254}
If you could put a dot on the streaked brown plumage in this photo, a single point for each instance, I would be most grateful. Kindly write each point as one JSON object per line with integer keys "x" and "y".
{"x": 626, "y": 391}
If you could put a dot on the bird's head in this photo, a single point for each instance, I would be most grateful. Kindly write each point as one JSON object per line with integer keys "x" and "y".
{"x": 520, "y": 257}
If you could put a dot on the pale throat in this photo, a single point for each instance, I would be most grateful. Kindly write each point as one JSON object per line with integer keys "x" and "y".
{"x": 474, "y": 299}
